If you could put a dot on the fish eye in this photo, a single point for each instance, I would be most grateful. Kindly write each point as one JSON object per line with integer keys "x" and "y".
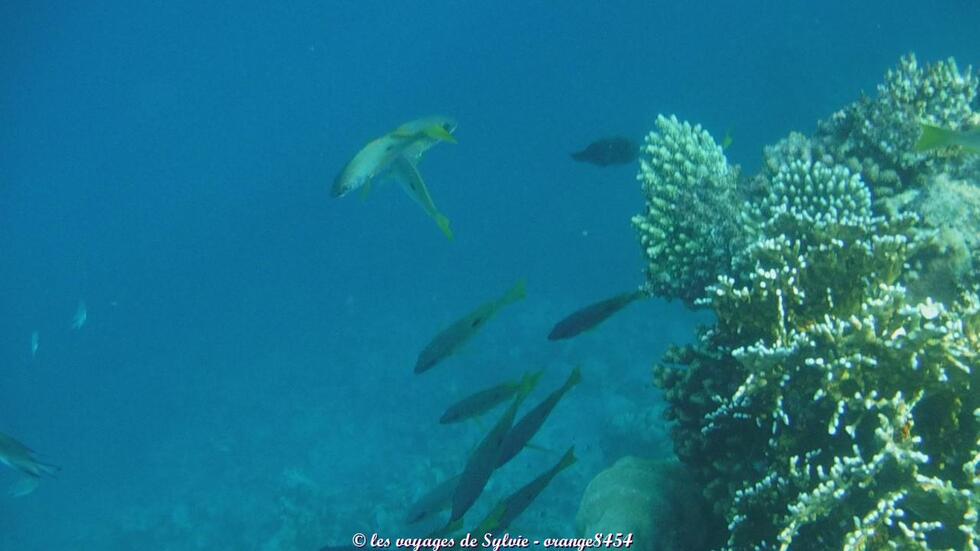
{"x": 447, "y": 126}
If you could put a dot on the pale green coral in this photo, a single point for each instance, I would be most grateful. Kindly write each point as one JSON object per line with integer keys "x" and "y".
{"x": 949, "y": 264}
{"x": 829, "y": 407}
{"x": 875, "y": 404}
{"x": 687, "y": 181}
{"x": 876, "y": 136}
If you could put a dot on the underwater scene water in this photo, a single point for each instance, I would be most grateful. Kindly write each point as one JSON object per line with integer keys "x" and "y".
{"x": 689, "y": 275}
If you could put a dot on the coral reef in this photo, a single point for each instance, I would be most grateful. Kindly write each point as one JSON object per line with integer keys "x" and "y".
{"x": 686, "y": 179}
{"x": 876, "y": 137}
{"x": 834, "y": 403}
{"x": 652, "y": 500}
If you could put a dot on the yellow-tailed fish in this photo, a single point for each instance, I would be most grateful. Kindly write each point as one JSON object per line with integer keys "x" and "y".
{"x": 483, "y": 401}
{"x": 407, "y": 174}
{"x": 592, "y": 315}
{"x": 483, "y": 461}
{"x": 396, "y": 156}
{"x": 437, "y": 128}
{"x": 513, "y": 505}
{"x": 450, "y": 339}
{"x": 19, "y": 457}
{"x": 525, "y": 429}
{"x": 934, "y": 137}
{"x": 435, "y": 500}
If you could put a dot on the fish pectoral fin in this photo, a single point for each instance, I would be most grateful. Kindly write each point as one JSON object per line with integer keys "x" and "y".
{"x": 535, "y": 447}
{"x": 366, "y": 190}
{"x": 25, "y": 486}
{"x": 407, "y": 174}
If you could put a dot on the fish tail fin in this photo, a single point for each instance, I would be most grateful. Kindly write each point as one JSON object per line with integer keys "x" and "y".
{"x": 443, "y": 224}
{"x": 517, "y": 292}
{"x": 492, "y": 522}
{"x": 568, "y": 459}
{"x": 531, "y": 378}
{"x": 450, "y": 528}
{"x": 575, "y": 377}
{"x": 529, "y": 381}
{"x": 727, "y": 141}
{"x": 933, "y": 137}
{"x": 437, "y": 132}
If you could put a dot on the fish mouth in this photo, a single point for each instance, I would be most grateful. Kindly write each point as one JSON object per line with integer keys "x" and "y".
{"x": 341, "y": 186}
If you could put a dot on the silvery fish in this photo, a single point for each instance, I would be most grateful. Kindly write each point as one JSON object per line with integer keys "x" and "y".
{"x": 19, "y": 457}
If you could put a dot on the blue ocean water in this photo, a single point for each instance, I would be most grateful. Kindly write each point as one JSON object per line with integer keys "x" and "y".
{"x": 244, "y": 377}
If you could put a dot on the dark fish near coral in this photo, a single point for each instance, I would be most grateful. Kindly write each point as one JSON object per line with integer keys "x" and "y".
{"x": 933, "y": 137}
{"x": 483, "y": 401}
{"x": 525, "y": 429}
{"x": 483, "y": 460}
{"x": 513, "y": 505}
{"x": 592, "y": 315}
{"x": 437, "y": 499}
{"x": 448, "y": 341}
{"x": 608, "y": 151}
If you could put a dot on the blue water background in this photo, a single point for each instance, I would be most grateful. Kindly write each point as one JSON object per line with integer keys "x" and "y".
{"x": 247, "y": 361}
